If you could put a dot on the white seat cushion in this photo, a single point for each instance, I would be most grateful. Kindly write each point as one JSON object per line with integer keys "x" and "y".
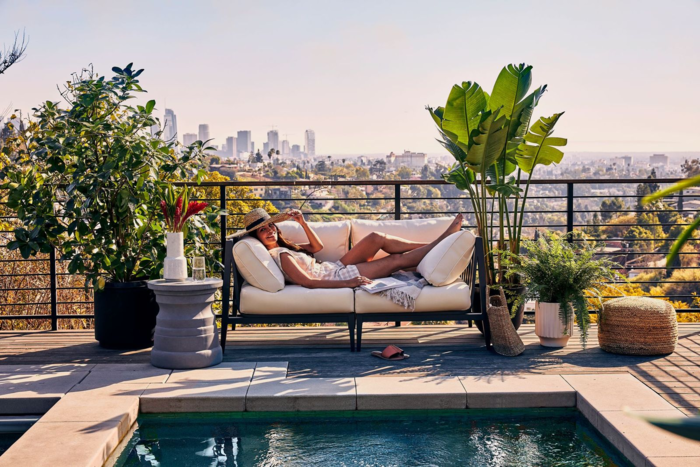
{"x": 444, "y": 263}
{"x": 452, "y": 297}
{"x": 417, "y": 230}
{"x": 295, "y": 299}
{"x": 335, "y": 237}
{"x": 256, "y": 265}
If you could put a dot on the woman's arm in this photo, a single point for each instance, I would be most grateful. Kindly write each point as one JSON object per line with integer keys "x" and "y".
{"x": 297, "y": 275}
{"x": 315, "y": 245}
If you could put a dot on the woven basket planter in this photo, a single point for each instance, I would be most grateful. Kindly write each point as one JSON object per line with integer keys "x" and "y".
{"x": 638, "y": 326}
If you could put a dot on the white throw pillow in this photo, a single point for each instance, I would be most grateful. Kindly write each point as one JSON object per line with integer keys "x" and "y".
{"x": 335, "y": 237}
{"x": 256, "y": 265}
{"x": 417, "y": 230}
{"x": 444, "y": 263}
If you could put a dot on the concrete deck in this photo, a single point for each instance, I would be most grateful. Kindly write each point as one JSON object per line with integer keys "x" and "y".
{"x": 322, "y": 352}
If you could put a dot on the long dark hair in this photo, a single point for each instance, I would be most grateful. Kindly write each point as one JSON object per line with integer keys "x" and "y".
{"x": 283, "y": 242}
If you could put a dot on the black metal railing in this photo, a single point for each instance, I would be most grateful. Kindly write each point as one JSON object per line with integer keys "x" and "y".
{"x": 564, "y": 205}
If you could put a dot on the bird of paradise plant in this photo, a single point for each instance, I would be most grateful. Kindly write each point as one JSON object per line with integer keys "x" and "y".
{"x": 496, "y": 151}
{"x": 172, "y": 206}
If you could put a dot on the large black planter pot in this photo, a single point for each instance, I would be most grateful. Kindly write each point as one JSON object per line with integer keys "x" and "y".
{"x": 125, "y": 315}
{"x": 517, "y": 320}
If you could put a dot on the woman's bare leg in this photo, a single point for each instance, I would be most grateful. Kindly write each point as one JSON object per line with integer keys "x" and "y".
{"x": 369, "y": 246}
{"x": 384, "y": 267}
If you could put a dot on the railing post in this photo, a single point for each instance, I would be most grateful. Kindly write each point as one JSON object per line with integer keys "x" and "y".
{"x": 222, "y": 222}
{"x": 570, "y": 208}
{"x": 52, "y": 288}
{"x": 397, "y": 216}
{"x": 397, "y": 202}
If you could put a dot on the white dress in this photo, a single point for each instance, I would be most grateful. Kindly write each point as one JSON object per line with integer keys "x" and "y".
{"x": 327, "y": 270}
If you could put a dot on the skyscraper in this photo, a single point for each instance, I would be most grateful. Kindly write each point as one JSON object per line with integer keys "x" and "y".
{"x": 310, "y": 143}
{"x": 204, "y": 132}
{"x": 243, "y": 142}
{"x": 189, "y": 138}
{"x": 296, "y": 150}
{"x": 273, "y": 140}
{"x": 231, "y": 146}
{"x": 170, "y": 126}
{"x": 284, "y": 150}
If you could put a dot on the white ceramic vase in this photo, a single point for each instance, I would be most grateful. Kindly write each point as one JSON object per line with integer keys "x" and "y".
{"x": 548, "y": 325}
{"x": 175, "y": 265}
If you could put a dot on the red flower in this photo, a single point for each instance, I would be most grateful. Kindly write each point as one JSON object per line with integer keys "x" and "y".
{"x": 194, "y": 207}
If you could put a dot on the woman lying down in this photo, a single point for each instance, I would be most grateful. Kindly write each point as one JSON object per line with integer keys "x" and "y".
{"x": 354, "y": 269}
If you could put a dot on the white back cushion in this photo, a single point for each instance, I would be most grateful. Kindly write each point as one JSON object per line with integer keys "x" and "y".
{"x": 444, "y": 263}
{"x": 335, "y": 237}
{"x": 417, "y": 230}
{"x": 256, "y": 265}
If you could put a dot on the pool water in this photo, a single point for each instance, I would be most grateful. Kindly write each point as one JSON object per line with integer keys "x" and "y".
{"x": 445, "y": 438}
{"x": 8, "y": 439}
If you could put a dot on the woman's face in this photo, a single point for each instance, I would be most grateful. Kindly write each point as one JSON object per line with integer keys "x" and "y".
{"x": 267, "y": 234}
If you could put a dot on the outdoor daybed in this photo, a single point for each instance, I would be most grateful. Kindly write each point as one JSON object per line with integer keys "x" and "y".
{"x": 260, "y": 295}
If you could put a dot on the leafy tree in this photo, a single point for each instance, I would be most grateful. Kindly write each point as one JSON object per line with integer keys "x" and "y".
{"x": 610, "y": 208}
{"x": 646, "y": 189}
{"x": 425, "y": 172}
{"x": 258, "y": 157}
{"x": 321, "y": 167}
{"x": 361, "y": 173}
{"x": 214, "y": 160}
{"x": 691, "y": 167}
{"x": 87, "y": 180}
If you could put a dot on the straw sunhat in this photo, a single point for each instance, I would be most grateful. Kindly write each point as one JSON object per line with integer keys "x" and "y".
{"x": 257, "y": 218}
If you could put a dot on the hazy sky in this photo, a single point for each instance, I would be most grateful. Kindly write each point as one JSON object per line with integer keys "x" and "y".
{"x": 360, "y": 72}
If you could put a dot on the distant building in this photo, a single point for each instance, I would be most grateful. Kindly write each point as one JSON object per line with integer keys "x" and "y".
{"x": 204, "y": 132}
{"x": 414, "y": 160}
{"x": 189, "y": 138}
{"x": 284, "y": 150}
{"x": 658, "y": 159}
{"x": 170, "y": 128}
{"x": 231, "y": 146}
{"x": 244, "y": 142}
{"x": 623, "y": 161}
{"x": 310, "y": 143}
{"x": 296, "y": 151}
{"x": 273, "y": 140}
{"x": 266, "y": 148}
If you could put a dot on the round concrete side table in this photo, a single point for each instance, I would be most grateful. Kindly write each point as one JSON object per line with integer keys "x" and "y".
{"x": 186, "y": 335}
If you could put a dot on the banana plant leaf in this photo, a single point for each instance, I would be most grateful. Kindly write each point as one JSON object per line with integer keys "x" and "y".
{"x": 489, "y": 141}
{"x": 538, "y": 146}
{"x": 462, "y": 113}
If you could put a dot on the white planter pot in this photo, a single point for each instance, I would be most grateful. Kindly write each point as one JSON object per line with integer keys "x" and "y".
{"x": 548, "y": 325}
{"x": 175, "y": 265}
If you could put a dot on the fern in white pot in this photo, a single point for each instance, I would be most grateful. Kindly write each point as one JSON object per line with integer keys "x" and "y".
{"x": 561, "y": 275}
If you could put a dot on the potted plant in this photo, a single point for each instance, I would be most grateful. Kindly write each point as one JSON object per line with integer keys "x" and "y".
{"x": 496, "y": 151}
{"x": 175, "y": 264}
{"x": 561, "y": 275}
{"x": 85, "y": 179}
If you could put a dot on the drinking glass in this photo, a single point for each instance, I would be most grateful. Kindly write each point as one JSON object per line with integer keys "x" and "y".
{"x": 198, "y": 269}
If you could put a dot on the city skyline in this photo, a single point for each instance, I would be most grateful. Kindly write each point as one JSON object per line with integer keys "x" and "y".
{"x": 360, "y": 74}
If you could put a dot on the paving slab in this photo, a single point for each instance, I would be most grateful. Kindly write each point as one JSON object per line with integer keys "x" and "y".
{"x": 615, "y": 392}
{"x": 118, "y": 402}
{"x": 639, "y": 440}
{"x": 673, "y": 462}
{"x": 64, "y": 444}
{"x": 62, "y": 367}
{"x": 271, "y": 370}
{"x": 518, "y": 391}
{"x": 410, "y": 393}
{"x": 138, "y": 376}
{"x": 301, "y": 394}
{"x": 35, "y": 393}
{"x": 227, "y": 371}
{"x": 228, "y": 396}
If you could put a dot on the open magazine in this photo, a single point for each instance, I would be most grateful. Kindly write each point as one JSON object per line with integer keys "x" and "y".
{"x": 384, "y": 283}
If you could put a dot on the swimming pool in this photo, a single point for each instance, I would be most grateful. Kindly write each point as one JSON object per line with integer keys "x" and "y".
{"x": 554, "y": 437}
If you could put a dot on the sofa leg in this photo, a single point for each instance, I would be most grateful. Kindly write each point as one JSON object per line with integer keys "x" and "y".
{"x": 359, "y": 335}
{"x": 470, "y": 323}
{"x": 224, "y": 329}
{"x": 233, "y": 326}
{"x": 397, "y": 324}
{"x": 487, "y": 333}
{"x": 351, "y": 329}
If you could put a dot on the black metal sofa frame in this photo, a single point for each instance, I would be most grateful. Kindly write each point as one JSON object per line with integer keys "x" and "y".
{"x": 352, "y": 319}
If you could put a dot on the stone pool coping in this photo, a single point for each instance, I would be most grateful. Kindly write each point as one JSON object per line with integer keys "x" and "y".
{"x": 89, "y": 409}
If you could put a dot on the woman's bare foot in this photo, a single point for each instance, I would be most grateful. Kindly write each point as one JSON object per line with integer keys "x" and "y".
{"x": 455, "y": 226}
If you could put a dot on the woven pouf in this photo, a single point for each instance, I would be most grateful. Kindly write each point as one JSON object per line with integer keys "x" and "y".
{"x": 638, "y": 326}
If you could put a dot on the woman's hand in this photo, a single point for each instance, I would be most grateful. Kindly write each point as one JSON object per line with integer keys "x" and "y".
{"x": 297, "y": 216}
{"x": 358, "y": 281}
